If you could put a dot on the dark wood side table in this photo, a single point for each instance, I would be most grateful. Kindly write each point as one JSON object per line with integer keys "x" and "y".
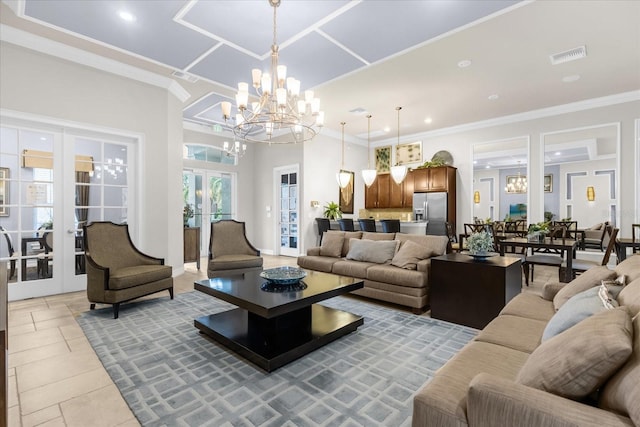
{"x": 192, "y": 245}
{"x": 471, "y": 292}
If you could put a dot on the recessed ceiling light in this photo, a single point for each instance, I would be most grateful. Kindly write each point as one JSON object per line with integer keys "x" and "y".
{"x": 558, "y": 153}
{"x": 487, "y": 167}
{"x": 127, "y": 16}
{"x": 387, "y": 129}
{"x": 493, "y": 97}
{"x": 42, "y": 138}
{"x": 464, "y": 63}
{"x": 428, "y": 120}
{"x": 572, "y": 78}
{"x": 475, "y": 162}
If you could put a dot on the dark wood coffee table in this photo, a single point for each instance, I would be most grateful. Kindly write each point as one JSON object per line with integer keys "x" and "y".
{"x": 272, "y": 329}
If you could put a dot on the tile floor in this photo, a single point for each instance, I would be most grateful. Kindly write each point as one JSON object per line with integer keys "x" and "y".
{"x": 55, "y": 377}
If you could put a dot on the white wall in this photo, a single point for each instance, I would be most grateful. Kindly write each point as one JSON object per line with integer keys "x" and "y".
{"x": 321, "y": 163}
{"x": 460, "y": 146}
{"x": 39, "y": 84}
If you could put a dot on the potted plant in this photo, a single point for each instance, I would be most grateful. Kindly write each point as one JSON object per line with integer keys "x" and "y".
{"x": 332, "y": 211}
{"x": 187, "y": 214}
{"x": 480, "y": 244}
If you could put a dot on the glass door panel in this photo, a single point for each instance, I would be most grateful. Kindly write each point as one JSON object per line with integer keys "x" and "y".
{"x": 288, "y": 215}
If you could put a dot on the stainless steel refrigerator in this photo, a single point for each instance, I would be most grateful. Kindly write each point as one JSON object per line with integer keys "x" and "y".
{"x": 434, "y": 206}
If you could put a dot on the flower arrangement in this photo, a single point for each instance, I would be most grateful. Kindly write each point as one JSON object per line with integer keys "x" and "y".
{"x": 540, "y": 227}
{"x": 480, "y": 243}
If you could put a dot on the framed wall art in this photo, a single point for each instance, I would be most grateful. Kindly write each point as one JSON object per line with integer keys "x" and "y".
{"x": 409, "y": 153}
{"x": 4, "y": 191}
{"x": 548, "y": 183}
{"x": 383, "y": 159}
{"x": 346, "y": 195}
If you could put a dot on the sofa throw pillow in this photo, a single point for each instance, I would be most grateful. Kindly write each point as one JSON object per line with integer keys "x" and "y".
{"x": 410, "y": 254}
{"x": 629, "y": 296}
{"x": 578, "y": 308}
{"x": 577, "y": 361}
{"x": 621, "y": 393}
{"x": 331, "y": 245}
{"x": 590, "y": 278}
{"x": 377, "y": 251}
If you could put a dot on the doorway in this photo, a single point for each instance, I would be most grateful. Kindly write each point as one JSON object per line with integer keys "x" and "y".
{"x": 210, "y": 196}
{"x": 55, "y": 180}
{"x": 287, "y": 187}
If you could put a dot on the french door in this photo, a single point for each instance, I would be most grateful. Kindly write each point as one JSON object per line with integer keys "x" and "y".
{"x": 53, "y": 181}
{"x": 287, "y": 185}
{"x": 210, "y": 195}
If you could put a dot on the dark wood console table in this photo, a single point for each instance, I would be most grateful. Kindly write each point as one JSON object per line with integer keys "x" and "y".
{"x": 471, "y": 292}
{"x": 192, "y": 245}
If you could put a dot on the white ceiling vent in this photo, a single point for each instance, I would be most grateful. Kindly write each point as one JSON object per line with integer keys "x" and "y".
{"x": 184, "y": 76}
{"x": 568, "y": 55}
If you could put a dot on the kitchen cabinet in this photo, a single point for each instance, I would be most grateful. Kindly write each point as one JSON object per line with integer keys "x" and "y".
{"x": 441, "y": 178}
{"x": 385, "y": 193}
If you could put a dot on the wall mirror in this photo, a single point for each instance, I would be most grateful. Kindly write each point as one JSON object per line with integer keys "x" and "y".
{"x": 500, "y": 179}
{"x": 584, "y": 166}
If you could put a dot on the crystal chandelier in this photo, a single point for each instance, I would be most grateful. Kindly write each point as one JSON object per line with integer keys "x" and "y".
{"x": 398, "y": 172}
{"x": 280, "y": 109}
{"x": 518, "y": 185}
{"x": 368, "y": 174}
{"x": 236, "y": 149}
{"x": 343, "y": 177}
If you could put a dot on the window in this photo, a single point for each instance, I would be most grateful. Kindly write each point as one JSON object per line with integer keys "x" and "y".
{"x": 207, "y": 153}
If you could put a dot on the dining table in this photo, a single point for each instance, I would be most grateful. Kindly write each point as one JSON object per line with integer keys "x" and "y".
{"x": 623, "y": 243}
{"x": 563, "y": 245}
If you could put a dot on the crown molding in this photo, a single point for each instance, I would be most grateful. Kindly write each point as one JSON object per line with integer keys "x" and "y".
{"x": 556, "y": 110}
{"x": 49, "y": 47}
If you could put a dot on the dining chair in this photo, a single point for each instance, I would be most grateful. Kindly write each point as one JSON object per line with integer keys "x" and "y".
{"x": 390, "y": 225}
{"x": 635, "y": 237}
{"x": 11, "y": 251}
{"x": 594, "y": 236}
{"x": 367, "y": 224}
{"x": 346, "y": 224}
{"x": 582, "y": 265}
{"x": 323, "y": 225}
{"x": 451, "y": 234}
{"x": 546, "y": 257}
{"x": 45, "y": 256}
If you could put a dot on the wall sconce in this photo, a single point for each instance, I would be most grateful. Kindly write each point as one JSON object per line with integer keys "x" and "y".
{"x": 315, "y": 204}
{"x": 476, "y": 197}
{"x": 591, "y": 194}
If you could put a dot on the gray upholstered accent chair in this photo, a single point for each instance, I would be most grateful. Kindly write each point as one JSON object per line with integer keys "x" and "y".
{"x": 116, "y": 270}
{"x": 229, "y": 250}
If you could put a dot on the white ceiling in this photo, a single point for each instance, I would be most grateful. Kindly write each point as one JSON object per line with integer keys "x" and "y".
{"x": 370, "y": 54}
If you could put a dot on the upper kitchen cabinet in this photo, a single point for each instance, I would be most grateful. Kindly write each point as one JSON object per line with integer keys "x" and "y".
{"x": 441, "y": 178}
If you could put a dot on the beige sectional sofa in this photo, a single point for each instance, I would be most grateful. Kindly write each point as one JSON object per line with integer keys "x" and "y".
{"x": 407, "y": 285}
{"x": 507, "y": 377}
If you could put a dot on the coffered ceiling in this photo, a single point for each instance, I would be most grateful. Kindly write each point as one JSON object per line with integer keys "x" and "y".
{"x": 364, "y": 56}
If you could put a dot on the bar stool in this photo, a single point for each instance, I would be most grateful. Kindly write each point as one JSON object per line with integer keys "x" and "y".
{"x": 346, "y": 224}
{"x": 390, "y": 225}
{"x": 367, "y": 225}
{"x": 323, "y": 225}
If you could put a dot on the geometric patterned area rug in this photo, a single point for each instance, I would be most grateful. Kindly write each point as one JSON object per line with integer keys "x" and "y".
{"x": 171, "y": 375}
